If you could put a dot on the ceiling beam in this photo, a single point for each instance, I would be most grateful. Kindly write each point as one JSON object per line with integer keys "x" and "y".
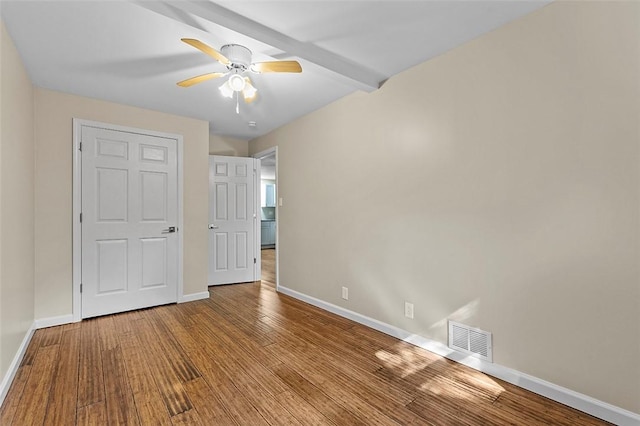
{"x": 354, "y": 74}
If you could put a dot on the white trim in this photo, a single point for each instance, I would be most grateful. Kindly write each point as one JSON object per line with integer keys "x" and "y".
{"x": 53, "y": 321}
{"x": 77, "y": 204}
{"x": 260, "y": 155}
{"x": 257, "y": 221}
{"x": 180, "y": 224}
{"x": 15, "y": 363}
{"x": 584, "y": 403}
{"x": 193, "y": 297}
{"x": 76, "y": 233}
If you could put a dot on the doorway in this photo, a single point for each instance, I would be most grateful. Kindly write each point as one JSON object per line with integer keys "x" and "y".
{"x": 269, "y": 215}
{"x": 233, "y": 216}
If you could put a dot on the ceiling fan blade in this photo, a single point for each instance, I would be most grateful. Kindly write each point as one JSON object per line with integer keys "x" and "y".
{"x": 199, "y": 79}
{"x": 276, "y": 66}
{"x": 208, "y": 50}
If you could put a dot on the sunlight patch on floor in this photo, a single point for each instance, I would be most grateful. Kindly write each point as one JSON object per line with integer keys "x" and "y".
{"x": 405, "y": 361}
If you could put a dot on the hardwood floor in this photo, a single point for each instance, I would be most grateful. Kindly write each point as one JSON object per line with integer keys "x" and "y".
{"x": 268, "y": 265}
{"x": 249, "y": 356}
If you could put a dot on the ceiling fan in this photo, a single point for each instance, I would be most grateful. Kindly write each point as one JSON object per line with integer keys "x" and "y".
{"x": 237, "y": 59}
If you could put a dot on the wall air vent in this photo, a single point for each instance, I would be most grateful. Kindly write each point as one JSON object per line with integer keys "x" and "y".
{"x": 469, "y": 340}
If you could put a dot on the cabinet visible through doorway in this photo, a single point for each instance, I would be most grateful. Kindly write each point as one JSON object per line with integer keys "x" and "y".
{"x": 268, "y": 233}
{"x": 269, "y": 195}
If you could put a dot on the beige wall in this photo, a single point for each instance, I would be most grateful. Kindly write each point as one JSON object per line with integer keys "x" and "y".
{"x": 225, "y": 145}
{"x": 496, "y": 185}
{"x": 53, "y": 181}
{"x": 16, "y": 201}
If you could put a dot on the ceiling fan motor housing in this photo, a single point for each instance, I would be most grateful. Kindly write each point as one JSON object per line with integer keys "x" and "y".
{"x": 239, "y": 56}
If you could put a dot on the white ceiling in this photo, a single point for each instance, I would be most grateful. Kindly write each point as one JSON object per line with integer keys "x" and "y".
{"x": 130, "y": 51}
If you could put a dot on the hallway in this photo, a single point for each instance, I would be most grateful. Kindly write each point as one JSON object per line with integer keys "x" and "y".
{"x": 269, "y": 267}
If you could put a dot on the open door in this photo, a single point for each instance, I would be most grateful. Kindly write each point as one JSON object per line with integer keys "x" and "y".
{"x": 233, "y": 220}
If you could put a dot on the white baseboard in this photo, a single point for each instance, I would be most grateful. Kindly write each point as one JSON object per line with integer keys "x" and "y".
{"x": 17, "y": 359}
{"x": 584, "y": 403}
{"x": 53, "y": 321}
{"x": 194, "y": 296}
{"x": 15, "y": 364}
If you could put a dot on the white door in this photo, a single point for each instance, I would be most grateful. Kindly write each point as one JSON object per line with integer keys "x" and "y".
{"x": 129, "y": 219}
{"x": 233, "y": 239}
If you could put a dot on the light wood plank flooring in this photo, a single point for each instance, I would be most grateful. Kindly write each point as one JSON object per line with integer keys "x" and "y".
{"x": 268, "y": 265}
{"x": 249, "y": 356}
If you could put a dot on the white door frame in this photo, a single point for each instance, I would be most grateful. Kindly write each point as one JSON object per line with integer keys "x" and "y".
{"x": 260, "y": 155}
{"x": 77, "y": 205}
{"x": 257, "y": 215}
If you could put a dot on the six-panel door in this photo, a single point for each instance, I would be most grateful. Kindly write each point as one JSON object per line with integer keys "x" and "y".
{"x": 232, "y": 219}
{"x": 129, "y": 203}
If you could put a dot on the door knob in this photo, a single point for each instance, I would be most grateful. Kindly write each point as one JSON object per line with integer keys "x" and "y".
{"x": 169, "y": 230}
{"x": 212, "y": 226}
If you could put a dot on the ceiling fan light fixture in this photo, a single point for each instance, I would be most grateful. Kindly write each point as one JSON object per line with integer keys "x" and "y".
{"x": 249, "y": 91}
{"x": 226, "y": 90}
{"x": 237, "y": 83}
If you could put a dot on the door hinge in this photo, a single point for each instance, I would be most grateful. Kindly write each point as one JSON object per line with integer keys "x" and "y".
{"x": 80, "y": 217}
{"x": 80, "y": 287}
{"x": 254, "y": 260}
{"x": 80, "y": 147}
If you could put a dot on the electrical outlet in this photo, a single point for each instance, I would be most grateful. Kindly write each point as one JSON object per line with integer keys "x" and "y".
{"x": 345, "y": 293}
{"x": 408, "y": 310}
